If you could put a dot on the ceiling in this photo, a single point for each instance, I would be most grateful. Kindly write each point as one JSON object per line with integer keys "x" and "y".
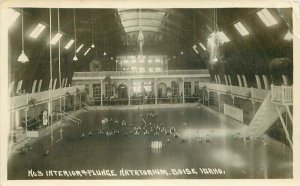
{"x": 171, "y": 32}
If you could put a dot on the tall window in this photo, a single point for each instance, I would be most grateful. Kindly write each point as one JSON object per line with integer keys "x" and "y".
{"x": 87, "y": 88}
{"x": 196, "y": 90}
{"x": 175, "y": 87}
{"x": 187, "y": 89}
{"x": 97, "y": 90}
{"x": 137, "y": 87}
{"x": 108, "y": 90}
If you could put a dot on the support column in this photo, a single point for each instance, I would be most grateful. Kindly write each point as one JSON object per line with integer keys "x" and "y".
{"x": 155, "y": 90}
{"x": 80, "y": 100}
{"x": 208, "y": 98}
{"x": 253, "y": 107}
{"x": 232, "y": 100}
{"x": 26, "y": 110}
{"x": 183, "y": 96}
{"x": 50, "y": 115}
{"x": 203, "y": 96}
{"x": 284, "y": 127}
{"x": 219, "y": 100}
{"x": 101, "y": 92}
{"x": 65, "y": 100}
{"x": 289, "y": 113}
{"x": 128, "y": 91}
{"x": 74, "y": 102}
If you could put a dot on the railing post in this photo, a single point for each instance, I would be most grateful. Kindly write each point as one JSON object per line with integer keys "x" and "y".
{"x": 252, "y": 97}
{"x": 282, "y": 94}
{"x": 272, "y": 92}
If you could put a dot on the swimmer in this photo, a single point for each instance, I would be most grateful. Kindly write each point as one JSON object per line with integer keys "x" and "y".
{"x": 176, "y": 135}
{"x": 123, "y": 123}
{"x": 184, "y": 124}
{"x": 116, "y": 122}
{"x": 46, "y": 153}
{"x": 136, "y": 133}
{"x": 235, "y": 137}
{"x": 207, "y": 140}
{"x": 90, "y": 133}
{"x": 82, "y": 135}
{"x": 169, "y": 141}
{"x": 156, "y": 134}
{"x": 146, "y": 132}
{"x": 172, "y": 130}
{"x": 100, "y": 132}
{"x": 200, "y": 140}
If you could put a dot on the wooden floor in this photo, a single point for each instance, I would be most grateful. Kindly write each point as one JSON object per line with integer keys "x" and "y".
{"x": 130, "y": 156}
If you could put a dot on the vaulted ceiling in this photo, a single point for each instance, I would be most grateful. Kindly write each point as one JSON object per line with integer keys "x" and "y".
{"x": 171, "y": 32}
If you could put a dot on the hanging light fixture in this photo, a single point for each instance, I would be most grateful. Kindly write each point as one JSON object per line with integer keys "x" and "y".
{"x": 92, "y": 46}
{"x": 75, "y": 57}
{"x": 140, "y": 39}
{"x": 215, "y": 40}
{"x": 23, "y": 57}
{"x": 104, "y": 53}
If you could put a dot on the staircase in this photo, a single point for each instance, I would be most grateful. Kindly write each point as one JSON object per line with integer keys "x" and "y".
{"x": 65, "y": 116}
{"x": 264, "y": 118}
{"x": 88, "y": 107}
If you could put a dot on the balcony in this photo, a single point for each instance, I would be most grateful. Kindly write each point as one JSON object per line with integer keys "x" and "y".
{"x": 131, "y": 74}
{"x": 282, "y": 95}
{"x": 279, "y": 94}
{"x": 20, "y": 101}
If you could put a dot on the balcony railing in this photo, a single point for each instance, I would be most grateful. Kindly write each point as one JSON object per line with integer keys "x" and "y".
{"x": 241, "y": 91}
{"x": 22, "y": 100}
{"x": 130, "y": 73}
{"x": 282, "y": 94}
{"x": 245, "y": 92}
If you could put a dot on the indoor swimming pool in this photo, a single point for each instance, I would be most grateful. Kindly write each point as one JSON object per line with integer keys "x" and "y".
{"x": 195, "y": 143}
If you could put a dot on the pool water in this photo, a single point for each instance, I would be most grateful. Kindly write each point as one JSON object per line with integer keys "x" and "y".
{"x": 207, "y": 147}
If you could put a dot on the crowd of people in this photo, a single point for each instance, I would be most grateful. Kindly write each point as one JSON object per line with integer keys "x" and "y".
{"x": 37, "y": 122}
{"x": 147, "y": 126}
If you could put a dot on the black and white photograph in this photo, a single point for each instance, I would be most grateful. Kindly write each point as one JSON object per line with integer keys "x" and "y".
{"x": 110, "y": 92}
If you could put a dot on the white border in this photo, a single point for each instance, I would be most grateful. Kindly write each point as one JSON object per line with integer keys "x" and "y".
{"x": 4, "y": 101}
